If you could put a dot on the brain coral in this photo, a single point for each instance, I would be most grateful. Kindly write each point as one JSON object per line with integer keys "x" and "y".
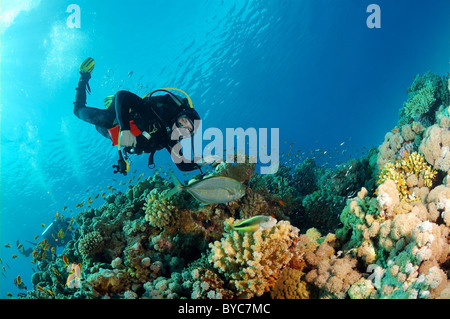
{"x": 252, "y": 261}
{"x": 90, "y": 244}
{"x": 159, "y": 212}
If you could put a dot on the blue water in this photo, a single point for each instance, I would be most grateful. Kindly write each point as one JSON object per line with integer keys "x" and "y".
{"x": 311, "y": 68}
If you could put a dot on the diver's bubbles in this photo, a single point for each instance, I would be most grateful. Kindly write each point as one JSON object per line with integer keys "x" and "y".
{"x": 64, "y": 49}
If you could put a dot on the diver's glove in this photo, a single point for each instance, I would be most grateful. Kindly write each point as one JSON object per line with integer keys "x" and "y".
{"x": 122, "y": 166}
{"x": 127, "y": 139}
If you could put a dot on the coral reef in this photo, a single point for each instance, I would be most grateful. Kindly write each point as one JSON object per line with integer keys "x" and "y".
{"x": 385, "y": 219}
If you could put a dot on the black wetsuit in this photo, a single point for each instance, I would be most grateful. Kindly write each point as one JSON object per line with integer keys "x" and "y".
{"x": 154, "y": 115}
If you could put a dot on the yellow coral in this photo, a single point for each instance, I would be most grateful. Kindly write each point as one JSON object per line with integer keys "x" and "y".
{"x": 159, "y": 212}
{"x": 252, "y": 261}
{"x": 291, "y": 285}
{"x": 402, "y": 169}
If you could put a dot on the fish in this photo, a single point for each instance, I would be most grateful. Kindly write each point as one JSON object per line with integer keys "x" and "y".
{"x": 211, "y": 190}
{"x": 36, "y": 237}
{"x": 79, "y": 205}
{"x": 74, "y": 278}
{"x": 281, "y": 203}
{"x": 66, "y": 260}
{"x": 7, "y": 245}
{"x": 18, "y": 281}
{"x": 254, "y": 223}
{"x": 14, "y": 256}
{"x": 61, "y": 234}
{"x": 41, "y": 289}
{"x": 9, "y": 295}
{"x": 64, "y": 208}
{"x": 56, "y": 272}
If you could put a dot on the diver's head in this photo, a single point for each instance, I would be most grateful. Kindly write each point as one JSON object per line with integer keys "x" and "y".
{"x": 185, "y": 122}
{"x": 188, "y": 119}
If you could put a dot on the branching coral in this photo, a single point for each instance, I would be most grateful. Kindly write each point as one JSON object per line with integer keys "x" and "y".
{"x": 413, "y": 166}
{"x": 252, "y": 261}
{"x": 159, "y": 212}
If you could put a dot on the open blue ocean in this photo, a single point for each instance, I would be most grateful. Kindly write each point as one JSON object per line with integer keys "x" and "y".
{"x": 315, "y": 70}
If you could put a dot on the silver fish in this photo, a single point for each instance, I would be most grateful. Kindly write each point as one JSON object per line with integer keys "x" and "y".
{"x": 211, "y": 190}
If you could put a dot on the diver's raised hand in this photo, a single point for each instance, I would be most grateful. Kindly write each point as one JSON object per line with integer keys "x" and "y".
{"x": 127, "y": 139}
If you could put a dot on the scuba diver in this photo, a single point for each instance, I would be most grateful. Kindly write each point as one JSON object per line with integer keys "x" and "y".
{"x": 140, "y": 125}
{"x": 58, "y": 234}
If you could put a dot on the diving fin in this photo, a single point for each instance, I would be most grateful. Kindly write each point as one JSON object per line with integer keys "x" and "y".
{"x": 87, "y": 66}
